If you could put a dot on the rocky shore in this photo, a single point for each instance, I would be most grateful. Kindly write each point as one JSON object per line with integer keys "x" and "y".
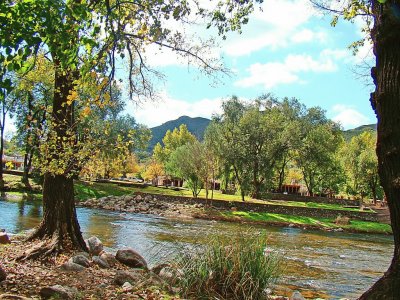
{"x": 144, "y": 204}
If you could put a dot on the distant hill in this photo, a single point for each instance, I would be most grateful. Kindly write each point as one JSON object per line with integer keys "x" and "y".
{"x": 348, "y": 134}
{"x": 196, "y": 126}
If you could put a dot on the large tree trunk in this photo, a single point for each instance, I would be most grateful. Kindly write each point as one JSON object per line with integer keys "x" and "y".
{"x": 2, "y": 148}
{"x": 59, "y": 228}
{"x": 386, "y": 103}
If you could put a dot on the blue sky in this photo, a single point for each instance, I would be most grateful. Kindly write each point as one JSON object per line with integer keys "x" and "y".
{"x": 288, "y": 49}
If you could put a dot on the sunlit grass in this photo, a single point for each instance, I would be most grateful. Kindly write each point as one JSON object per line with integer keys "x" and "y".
{"x": 356, "y": 225}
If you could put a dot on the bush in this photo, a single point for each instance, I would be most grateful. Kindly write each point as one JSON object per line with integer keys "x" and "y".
{"x": 239, "y": 267}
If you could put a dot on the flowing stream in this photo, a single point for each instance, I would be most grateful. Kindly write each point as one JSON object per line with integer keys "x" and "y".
{"x": 319, "y": 264}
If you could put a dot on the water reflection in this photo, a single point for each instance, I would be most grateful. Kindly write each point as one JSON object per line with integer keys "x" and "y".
{"x": 320, "y": 264}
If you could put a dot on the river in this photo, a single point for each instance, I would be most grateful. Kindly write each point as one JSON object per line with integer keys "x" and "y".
{"x": 329, "y": 265}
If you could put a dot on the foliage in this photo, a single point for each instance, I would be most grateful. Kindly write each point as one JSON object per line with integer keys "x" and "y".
{"x": 171, "y": 141}
{"x": 153, "y": 169}
{"x": 234, "y": 267}
{"x": 315, "y": 152}
{"x": 190, "y": 163}
{"x": 361, "y": 165}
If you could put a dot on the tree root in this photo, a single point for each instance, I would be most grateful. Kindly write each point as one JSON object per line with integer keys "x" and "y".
{"x": 44, "y": 249}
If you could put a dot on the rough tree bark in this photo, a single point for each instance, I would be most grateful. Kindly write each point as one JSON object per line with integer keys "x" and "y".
{"x": 386, "y": 103}
{"x": 59, "y": 229}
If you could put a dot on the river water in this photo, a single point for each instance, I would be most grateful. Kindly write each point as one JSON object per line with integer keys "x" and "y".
{"x": 319, "y": 264}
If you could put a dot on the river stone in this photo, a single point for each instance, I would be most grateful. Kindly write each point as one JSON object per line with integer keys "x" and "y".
{"x": 109, "y": 258}
{"x": 100, "y": 262}
{"x": 132, "y": 277}
{"x": 3, "y": 274}
{"x": 71, "y": 266}
{"x": 80, "y": 260}
{"x": 127, "y": 287}
{"x": 58, "y": 292}
{"x": 4, "y": 239}
{"x": 297, "y": 296}
{"x": 130, "y": 258}
{"x": 94, "y": 244}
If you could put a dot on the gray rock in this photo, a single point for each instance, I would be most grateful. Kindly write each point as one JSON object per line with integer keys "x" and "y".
{"x": 138, "y": 198}
{"x": 127, "y": 287}
{"x": 71, "y": 266}
{"x": 132, "y": 277}
{"x": 3, "y": 274}
{"x": 58, "y": 292}
{"x": 157, "y": 269}
{"x": 100, "y": 262}
{"x": 4, "y": 239}
{"x": 94, "y": 244}
{"x": 130, "y": 258}
{"x": 297, "y": 296}
{"x": 80, "y": 260}
{"x": 109, "y": 258}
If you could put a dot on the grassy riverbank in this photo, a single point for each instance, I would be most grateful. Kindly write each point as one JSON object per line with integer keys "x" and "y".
{"x": 307, "y": 222}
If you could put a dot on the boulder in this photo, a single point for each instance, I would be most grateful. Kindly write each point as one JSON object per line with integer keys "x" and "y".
{"x": 80, "y": 260}
{"x": 109, "y": 258}
{"x": 100, "y": 262}
{"x": 4, "y": 239}
{"x": 127, "y": 287}
{"x": 59, "y": 292}
{"x": 132, "y": 277}
{"x": 130, "y": 258}
{"x": 94, "y": 244}
{"x": 297, "y": 296}
{"x": 71, "y": 266}
{"x": 3, "y": 274}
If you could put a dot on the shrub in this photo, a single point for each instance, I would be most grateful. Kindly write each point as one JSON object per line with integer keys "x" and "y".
{"x": 239, "y": 267}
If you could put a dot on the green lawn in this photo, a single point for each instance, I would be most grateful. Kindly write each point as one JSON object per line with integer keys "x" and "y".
{"x": 356, "y": 225}
{"x": 86, "y": 190}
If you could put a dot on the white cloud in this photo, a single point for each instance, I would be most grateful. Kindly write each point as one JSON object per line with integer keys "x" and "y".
{"x": 348, "y": 116}
{"x": 155, "y": 113}
{"x": 275, "y": 73}
{"x": 285, "y": 14}
{"x": 279, "y": 24}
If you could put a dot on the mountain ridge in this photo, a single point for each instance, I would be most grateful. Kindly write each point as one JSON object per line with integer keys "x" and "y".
{"x": 197, "y": 126}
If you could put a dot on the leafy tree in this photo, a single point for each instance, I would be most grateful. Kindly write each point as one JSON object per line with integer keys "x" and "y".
{"x": 153, "y": 169}
{"x": 231, "y": 143}
{"x": 361, "y": 164}
{"x": 83, "y": 40}
{"x": 172, "y": 141}
{"x": 32, "y": 94}
{"x": 315, "y": 155}
{"x": 190, "y": 163}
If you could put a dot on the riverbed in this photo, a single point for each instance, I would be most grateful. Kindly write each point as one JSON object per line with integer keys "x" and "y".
{"x": 329, "y": 265}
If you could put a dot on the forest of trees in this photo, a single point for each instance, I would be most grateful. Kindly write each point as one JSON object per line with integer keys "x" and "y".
{"x": 255, "y": 147}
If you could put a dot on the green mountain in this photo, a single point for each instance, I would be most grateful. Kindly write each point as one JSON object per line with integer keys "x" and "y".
{"x": 348, "y": 134}
{"x": 196, "y": 126}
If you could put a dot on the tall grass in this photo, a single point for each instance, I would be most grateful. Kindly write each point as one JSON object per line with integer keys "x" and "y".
{"x": 238, "y": 267}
